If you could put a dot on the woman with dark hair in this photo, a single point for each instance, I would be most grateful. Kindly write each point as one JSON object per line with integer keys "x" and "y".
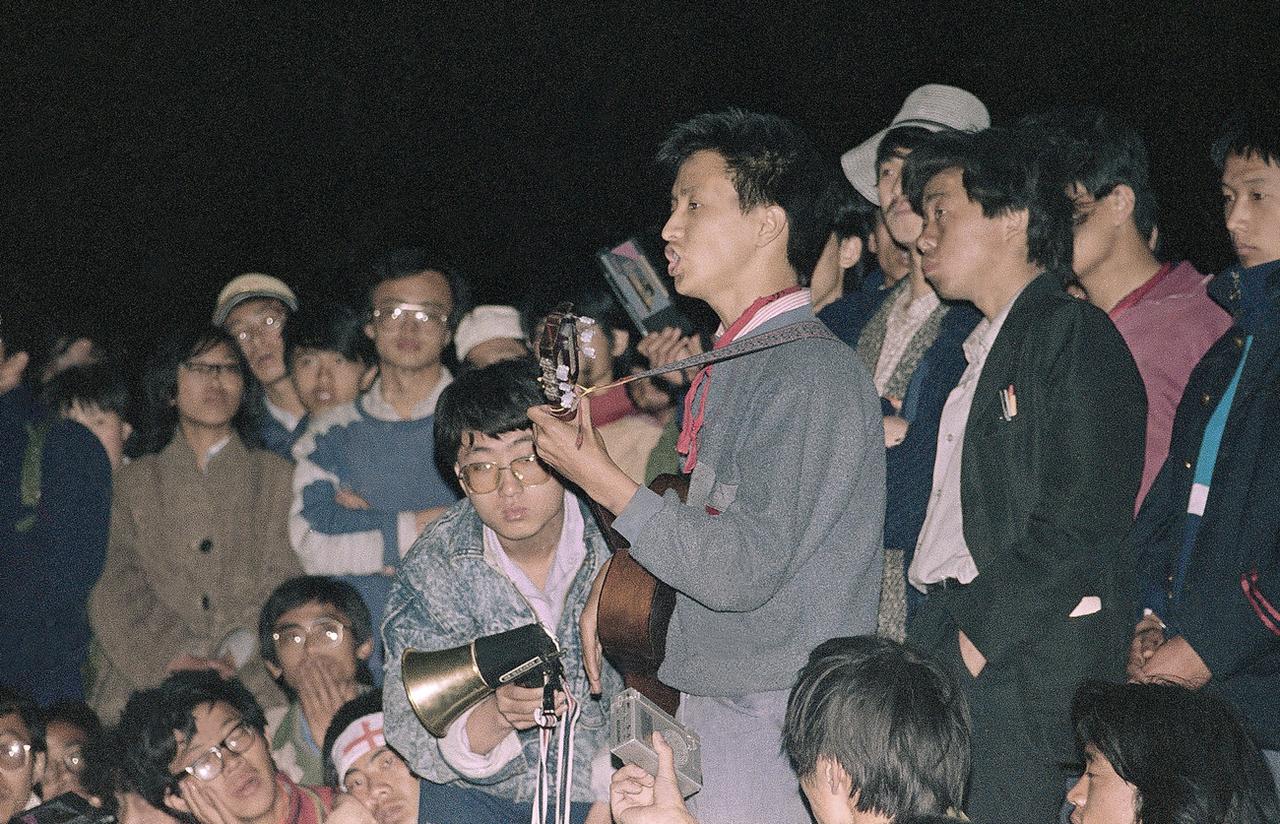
{"x": 1164, "y": 754}
{"x": 199, "y": 530}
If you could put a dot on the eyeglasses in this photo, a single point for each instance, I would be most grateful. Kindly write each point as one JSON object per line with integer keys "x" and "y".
{"x": 420, "y": 313}
{"x": 14, "y": 753}
{"x": 322, "y": 633}
{"x": 483, "y": 476}
{"x": 255, "y": 325}
{"x": 209, "y": 766}
{"x": 211, "y": 370}
{"x": 73, "y": 760}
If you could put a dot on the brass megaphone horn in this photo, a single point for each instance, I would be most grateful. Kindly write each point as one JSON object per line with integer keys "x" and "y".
{"x": 443, "y": 684}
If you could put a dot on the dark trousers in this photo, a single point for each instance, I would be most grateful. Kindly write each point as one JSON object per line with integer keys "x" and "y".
{"x": 447, "y": 804}
{"x": 1018, "y": 773}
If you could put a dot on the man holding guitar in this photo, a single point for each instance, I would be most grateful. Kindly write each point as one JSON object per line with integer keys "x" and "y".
{"x": 778, "y": 547}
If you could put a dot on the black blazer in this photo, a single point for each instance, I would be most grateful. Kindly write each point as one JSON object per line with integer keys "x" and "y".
{"x": 1048, "y": 495}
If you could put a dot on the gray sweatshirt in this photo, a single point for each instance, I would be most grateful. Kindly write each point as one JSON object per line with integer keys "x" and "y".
{"x": 791, "y": 454}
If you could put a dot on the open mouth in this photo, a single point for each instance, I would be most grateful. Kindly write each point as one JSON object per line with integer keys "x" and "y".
{"x": 673, "y": 261}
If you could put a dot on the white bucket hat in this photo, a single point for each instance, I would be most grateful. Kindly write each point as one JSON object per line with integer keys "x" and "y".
{"x": 932, "y": 106}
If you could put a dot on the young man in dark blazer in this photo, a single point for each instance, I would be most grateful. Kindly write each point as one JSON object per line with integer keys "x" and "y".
{"x": 1039, "y": 458}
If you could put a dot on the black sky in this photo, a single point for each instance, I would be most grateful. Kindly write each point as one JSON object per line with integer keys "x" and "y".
{"x": 153, "y": 152}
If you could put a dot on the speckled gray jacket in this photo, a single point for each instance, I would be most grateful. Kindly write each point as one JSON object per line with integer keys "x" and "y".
{"x": 447, "y": 594}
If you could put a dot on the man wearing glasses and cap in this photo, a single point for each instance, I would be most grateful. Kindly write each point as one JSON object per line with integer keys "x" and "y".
{"x": 253, "y": 308}
{"x": 194, "y": 748}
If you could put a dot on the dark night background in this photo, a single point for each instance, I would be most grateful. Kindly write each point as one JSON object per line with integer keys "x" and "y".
{"x": 152, "y": 152}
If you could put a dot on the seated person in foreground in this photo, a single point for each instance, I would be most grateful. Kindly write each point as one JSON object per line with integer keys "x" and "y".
{"x": 1163, "y": 753}
{"x": 315, "y": 637}
{"x": 358, "y": 762}
{"x": 519, "y": 549}
{"x": 876, "y": 731}
{"x": 194, "y": 747}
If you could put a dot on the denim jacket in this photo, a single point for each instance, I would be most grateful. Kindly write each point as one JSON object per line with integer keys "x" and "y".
{"x": 447, "y": 594}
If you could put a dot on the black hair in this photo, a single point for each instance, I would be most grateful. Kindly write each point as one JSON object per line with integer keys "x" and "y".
{"x": 13, "y": 702}
{"x": 891, "y": 717}
{"x": 493, "y": 400}
{"x": 899, "y": 140}
{"x": 314, "y": 589}
{"x": 1003, "y": 171}
{"x": 357, "y": 708}
{"x": 770, "y": 161}
{"x": 410, "y": 260}
{"x": 1098, "y": 150}
{"x": 76, "y": 713}
{"x": 852, "y": 216}
{"x": 103, "y": 774}
{"x": 1186, "y": 752}
{"x": 1248, "y": 133}
{"x": 99, "y": 384}
{"x": 332, "y": 327}
{"x": 153, "y": 718}
{"x": 160, "y": 386}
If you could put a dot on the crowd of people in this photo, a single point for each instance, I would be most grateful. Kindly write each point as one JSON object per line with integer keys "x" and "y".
{"x": 985, "y": 528}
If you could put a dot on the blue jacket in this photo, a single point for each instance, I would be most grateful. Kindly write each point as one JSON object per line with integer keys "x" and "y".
{"x": 909, "y": 465}
{"x": 446, "y": 595}
{"x": 1229, "y": 607}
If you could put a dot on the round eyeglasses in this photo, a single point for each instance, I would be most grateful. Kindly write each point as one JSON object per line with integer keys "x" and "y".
{"x": 209, "y": 766}
{"x": 255, "y": 325}
{"x": 483, "y": 476}
{"x": 321, "y": 633}
{"x": 15, "y": 754}
{"x": 424, "y": 314}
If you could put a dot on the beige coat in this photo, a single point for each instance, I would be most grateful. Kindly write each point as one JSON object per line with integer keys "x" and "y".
{"x": 192, "y": 557}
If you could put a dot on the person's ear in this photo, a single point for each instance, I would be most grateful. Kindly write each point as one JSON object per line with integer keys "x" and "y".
{"x": 618, "y": 344}
{"x": 773, "y": 225}
{"x": 1121, "y": 201}
{"x": 364, "y": 650}
{"x": 1014, "y": 226}
{"x": 368, "y": 330}
{"x": 849, "y": 252}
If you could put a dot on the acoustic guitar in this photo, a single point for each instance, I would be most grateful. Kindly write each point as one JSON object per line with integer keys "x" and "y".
{"x": 635, "y": 607}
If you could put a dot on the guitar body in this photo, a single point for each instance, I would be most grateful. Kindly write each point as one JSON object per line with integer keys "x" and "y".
{"x": 635, "y": 610}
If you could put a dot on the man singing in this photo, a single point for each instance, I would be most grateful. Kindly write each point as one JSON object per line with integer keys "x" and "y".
{"x": 779, "y": 544}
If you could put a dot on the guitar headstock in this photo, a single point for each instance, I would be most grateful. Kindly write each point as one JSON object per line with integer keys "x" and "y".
{"x": 565, "y": 340}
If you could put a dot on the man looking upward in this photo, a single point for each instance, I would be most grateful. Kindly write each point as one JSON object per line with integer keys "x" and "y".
{"x": 779, "y": 545}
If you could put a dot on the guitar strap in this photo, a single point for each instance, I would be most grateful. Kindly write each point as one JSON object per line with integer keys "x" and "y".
{"x": 804, "y": 330}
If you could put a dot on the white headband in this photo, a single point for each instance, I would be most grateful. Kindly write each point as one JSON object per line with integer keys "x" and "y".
{"x": 362, "y": 736}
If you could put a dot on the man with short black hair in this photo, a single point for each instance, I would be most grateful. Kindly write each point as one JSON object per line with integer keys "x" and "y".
{"x": 194, "y": 747}
{"x": 1038, "y": 463}
{"x": 519, "y": 549}
{"x": 779, "y": 544}
{"x": 876, "y": 731}
{"x": 367, "y": 481}
{"x": 316, "y": 637}
{"x": 331, "y": 360}
{"x": 253, "y": 308}
{"x": 1206, "y": 538}
{"x": 22, "y": 752}
{"x": 1161, "y": 309}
